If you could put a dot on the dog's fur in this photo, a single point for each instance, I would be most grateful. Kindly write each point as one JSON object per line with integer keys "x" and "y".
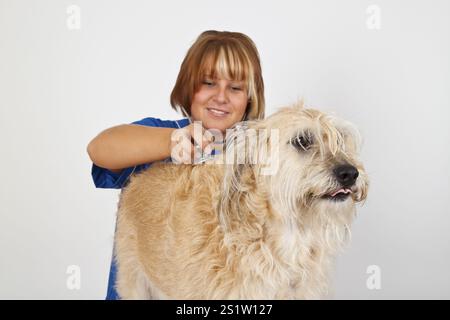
{"x": 213, "y": 231}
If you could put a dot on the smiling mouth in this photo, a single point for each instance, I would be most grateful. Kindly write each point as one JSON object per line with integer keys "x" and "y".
{"x": 338, "y": 195}
{"x": 217, "y": 112}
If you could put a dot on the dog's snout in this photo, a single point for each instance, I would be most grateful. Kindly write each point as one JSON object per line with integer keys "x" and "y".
{"x": 346, "y": 174}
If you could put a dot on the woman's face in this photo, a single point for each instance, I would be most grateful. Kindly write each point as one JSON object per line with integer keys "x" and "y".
{"x": 219, "y": 103}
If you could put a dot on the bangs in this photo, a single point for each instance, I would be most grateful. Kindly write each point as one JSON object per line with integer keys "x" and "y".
{"x": 228, "y": 62}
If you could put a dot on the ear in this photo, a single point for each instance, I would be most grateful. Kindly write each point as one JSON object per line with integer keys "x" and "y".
{"x": 240, "y": 162}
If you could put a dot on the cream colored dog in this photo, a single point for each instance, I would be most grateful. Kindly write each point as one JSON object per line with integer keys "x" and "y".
{"x": 232, "y": 231}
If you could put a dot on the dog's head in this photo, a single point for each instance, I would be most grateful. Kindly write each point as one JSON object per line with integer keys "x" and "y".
{"x": 305, "y": 160}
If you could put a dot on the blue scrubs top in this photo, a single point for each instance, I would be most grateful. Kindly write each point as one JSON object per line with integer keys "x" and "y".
{"x": 104, "y": 178}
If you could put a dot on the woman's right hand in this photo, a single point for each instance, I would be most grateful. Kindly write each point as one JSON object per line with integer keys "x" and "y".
{"x": 188, "y": 143}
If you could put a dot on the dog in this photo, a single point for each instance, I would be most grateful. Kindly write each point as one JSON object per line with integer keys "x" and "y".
{"x": 231, "y": 231}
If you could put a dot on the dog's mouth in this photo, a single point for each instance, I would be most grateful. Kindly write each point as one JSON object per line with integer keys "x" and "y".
{"x": 340, "y": 194}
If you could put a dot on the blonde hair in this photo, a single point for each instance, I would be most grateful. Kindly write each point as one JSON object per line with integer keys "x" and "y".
{"x": 230, "y": 54}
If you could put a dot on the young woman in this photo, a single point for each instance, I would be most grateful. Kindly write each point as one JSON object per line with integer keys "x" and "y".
{"x": 219, "y": 84}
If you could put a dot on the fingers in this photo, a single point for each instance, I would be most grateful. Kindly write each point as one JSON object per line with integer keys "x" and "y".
{"x": 181, "y": 147}
{"x": 200, "y": 136}
{"x": 191, "y": 143}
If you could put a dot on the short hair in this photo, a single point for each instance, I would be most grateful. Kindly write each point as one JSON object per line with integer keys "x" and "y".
{"x": 230, "y": 54}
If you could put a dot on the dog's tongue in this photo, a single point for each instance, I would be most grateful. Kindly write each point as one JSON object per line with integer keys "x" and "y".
{"x": 342, "y": 190}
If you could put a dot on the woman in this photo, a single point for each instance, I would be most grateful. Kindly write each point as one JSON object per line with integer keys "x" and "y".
{"x": 219, "y": 84}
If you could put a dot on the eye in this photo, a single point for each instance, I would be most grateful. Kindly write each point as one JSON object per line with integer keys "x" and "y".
{"x": 236, "y": 88}
{"x": 208, "y": 82}
{"x": 302, "y": 142}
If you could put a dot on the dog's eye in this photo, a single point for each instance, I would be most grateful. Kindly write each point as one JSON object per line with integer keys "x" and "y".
{"x": 302, "y": 142}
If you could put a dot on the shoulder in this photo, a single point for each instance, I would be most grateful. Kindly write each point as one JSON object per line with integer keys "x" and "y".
{"x": 156, "y": 122}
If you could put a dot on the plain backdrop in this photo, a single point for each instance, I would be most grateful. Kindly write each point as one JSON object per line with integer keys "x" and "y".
{"x": 59, "y": 87}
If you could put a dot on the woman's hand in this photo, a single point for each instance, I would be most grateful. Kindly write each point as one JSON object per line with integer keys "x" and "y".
{"x": 189, "y": 143}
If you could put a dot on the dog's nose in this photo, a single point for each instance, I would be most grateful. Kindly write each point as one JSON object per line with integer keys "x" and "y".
{"x": 346, "y": 174}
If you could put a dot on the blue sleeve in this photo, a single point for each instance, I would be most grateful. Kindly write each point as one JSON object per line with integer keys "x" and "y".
{"x": 104, "y": 178}
{"x": 155, "y": 122}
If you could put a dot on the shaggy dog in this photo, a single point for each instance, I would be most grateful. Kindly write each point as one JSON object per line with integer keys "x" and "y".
{"x": 236, "y": 229}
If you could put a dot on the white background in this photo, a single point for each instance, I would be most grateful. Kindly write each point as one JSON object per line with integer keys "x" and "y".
{"x": 61, "y": 87}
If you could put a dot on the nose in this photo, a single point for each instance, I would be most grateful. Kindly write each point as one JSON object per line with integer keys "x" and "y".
{"x": 220, "y": 95}
{"x": 346, "y": 174}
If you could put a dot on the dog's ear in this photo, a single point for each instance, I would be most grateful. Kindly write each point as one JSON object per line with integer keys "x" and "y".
{"x": 241, "y": 152}
{"x": 241, "y": 144}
